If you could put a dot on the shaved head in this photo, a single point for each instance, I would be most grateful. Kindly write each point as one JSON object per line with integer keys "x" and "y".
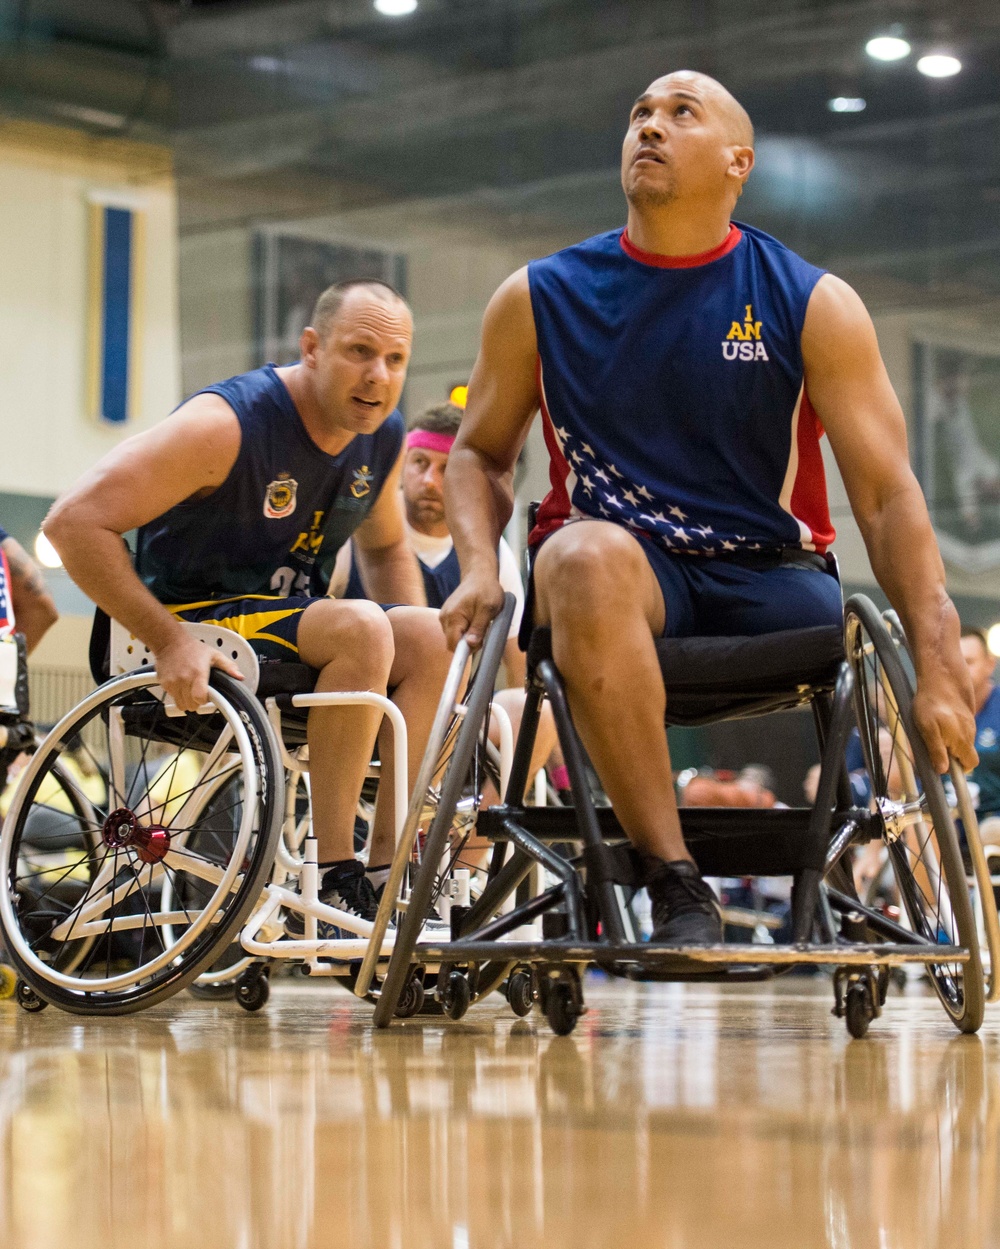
{"x": 739, "y": 127}
{"x": 689, "y": 140}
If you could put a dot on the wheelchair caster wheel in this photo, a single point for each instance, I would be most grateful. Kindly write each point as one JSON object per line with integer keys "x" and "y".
{"x": 457, "y": 995}
{"x": 411, "y": 1001}
{"x": 561, "y": 1008}
{"x": 28, "y": 999}
{"x": 520, "y": 994}
{"x": 8, "y": 982}
{"x": 253, "y": 990}
{"x": 858, "y": 1009}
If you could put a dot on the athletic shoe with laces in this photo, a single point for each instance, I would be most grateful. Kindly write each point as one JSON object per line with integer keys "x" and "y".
{"x": 685, "y": 910}
{"x": 348, "y": 889}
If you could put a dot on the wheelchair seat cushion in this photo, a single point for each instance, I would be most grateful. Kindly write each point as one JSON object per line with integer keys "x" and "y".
{"x": 712, "y": 677}
{"x": 278, "y": 677}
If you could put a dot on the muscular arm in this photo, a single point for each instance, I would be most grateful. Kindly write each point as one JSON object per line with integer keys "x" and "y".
{"x": 34, "y": 610}
{"x": 190, "y": 453}
{"x": 479, "y": 480}
{"x": 853, "y": 397}
{"x": 388, "y": 567}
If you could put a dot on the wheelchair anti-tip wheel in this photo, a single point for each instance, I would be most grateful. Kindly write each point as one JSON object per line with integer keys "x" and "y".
{"x": 926, "y": 883}
{"x": 193, "y": 801}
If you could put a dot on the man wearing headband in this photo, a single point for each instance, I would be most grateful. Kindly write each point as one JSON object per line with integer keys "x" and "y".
{"x": 242, "y": 499}
{"x": 428, "y": 445}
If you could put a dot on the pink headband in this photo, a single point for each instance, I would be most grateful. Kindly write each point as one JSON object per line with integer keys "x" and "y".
{"x": 430, "y": 442}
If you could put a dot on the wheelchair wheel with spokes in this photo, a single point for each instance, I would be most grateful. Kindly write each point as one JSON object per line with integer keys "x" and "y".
{"x": 925, "y": 872}
{"x": 194, "y": 802}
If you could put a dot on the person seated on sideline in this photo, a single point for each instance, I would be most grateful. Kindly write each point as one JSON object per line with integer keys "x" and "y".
{"x": 685, "y": 368}
{"x": 242, "y": 499}
{"x": 33, "y": 608}
{"x": 982, "y": 664}
{"x": 428, "y": 445}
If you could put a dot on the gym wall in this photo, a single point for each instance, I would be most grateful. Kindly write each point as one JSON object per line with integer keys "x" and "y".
{"x": 49, "y": 178}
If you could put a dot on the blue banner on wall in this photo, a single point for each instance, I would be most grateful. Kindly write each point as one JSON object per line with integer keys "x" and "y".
{"x": 114, "y": 311}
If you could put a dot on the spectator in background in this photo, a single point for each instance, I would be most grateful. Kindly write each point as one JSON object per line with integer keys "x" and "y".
{"x": 709, "y": 787}
{"x": 34, "y": 612}
{"x": 986, "y": 776}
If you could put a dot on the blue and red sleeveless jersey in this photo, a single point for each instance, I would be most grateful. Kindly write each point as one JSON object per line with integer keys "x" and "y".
{"x": 672, "y": 394}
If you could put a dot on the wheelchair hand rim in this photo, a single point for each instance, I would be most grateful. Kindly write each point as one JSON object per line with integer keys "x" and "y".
{"x": 223, "y": 890}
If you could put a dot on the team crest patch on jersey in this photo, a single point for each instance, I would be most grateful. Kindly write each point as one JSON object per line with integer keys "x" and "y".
{"x": 279, "y": 498}
{"x": 743, "y": 342}
{"x": 362, "y": 483}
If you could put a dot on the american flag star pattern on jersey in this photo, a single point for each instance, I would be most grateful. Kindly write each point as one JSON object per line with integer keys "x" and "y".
{"x": 673, "y": 396}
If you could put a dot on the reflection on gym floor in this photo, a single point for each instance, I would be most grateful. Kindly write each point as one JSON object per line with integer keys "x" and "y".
{"x": 681, "y": 1117}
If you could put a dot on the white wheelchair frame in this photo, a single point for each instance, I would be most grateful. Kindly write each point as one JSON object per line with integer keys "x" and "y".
{"x": 262, "y": 936}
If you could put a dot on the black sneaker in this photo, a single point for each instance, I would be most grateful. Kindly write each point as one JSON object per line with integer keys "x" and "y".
{"x": 348, "y": 889}
{"x": 685, "y": 910}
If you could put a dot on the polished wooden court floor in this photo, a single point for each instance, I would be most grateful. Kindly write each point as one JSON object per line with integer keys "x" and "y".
{"x": 673, "y": 1118}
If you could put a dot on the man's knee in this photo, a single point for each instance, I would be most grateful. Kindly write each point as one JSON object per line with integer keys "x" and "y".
{"x": 588, "y": 564}
{"x": 352, "y": 630}
{"x": 419, "y": 642}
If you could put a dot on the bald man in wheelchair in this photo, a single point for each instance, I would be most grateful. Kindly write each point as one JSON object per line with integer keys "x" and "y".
{"x": 686, "y": 368}
{"x": 241, "y": 499}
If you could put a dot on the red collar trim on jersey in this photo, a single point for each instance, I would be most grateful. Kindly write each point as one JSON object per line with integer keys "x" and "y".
{"x": 682, "y": 262}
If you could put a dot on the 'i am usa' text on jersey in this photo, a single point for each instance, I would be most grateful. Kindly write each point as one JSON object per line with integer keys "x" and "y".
{"x": 673, "y": 397}
{"x": 275, "y": 524}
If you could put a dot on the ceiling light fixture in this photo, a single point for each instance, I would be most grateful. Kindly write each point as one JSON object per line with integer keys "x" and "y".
{"x": 395, "y": 8}
{"x": 993, "y": 639}
{"x": 846, "y": 104}
{"x": 887, "y": 48}
{"x": 939, "y": 65}
{"x": 46, "y": 553}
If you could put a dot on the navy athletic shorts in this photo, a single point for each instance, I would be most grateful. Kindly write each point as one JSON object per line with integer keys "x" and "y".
{"x": 270, "y": 625}
{"x": 707, "y": 596}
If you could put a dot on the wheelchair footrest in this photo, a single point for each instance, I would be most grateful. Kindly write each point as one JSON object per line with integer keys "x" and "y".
{"x": 690, "y": 958}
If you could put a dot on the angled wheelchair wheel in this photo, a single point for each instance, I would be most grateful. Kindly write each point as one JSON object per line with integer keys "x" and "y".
{"x": 164, "y": 869}
{"x": 924, "y": 871}
{"x": 446, "y": 797}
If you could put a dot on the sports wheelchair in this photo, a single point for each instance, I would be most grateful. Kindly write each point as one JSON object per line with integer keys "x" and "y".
{"x": 182, "y": 874}
{"x": 559, "y": 879}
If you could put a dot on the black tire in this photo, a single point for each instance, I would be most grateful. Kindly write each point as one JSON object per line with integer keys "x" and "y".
{"x": 412, "y": 1000}
{"x": 922, "y": 844}
{"x": 858, "y": 1012}
{"x": 253, "y": 989}
{"x": 140, "y": 956}
{"x": 457, "y": 995}
{"x": 520, "y": 993}
{"x": 28, "y": 999}
{"x": 561, "y": 1008}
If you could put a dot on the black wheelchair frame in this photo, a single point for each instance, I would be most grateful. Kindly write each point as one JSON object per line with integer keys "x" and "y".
{"x": 581, "y": 914}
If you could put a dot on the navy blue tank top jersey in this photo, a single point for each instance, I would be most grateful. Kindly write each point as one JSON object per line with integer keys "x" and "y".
{"x": 275, "y": 524}
{"x": 439, "y": 583}
{"x": 673, "y": 397}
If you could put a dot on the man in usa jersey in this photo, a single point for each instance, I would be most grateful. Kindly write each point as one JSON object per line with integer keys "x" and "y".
{"x": 686, "y": 367}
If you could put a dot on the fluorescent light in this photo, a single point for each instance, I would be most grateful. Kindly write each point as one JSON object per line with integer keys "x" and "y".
{"x": 993, "y": 639}
{"x": 395, "y": 8}
{"x": 939, "y": 65}
{"x": 887, "y": 48}
{"x": 846, "y": 104}
{"x": 47, "y": 554}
